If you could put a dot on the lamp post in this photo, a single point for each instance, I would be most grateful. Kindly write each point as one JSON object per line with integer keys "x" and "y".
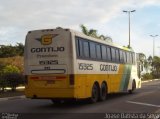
{"x": 129, "y": 24}
{"x": 153, "y": 36}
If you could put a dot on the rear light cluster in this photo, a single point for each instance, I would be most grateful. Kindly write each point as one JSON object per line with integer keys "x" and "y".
{"x": 36, "y": 78}
{"x": 71, "y": 79}
{"x": 46, "y": 78}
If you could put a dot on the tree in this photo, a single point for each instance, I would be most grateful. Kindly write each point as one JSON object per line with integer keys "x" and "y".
{"x": 7, "y": 51}
{"x": 10, "y": 51}
{"x": 106, "y": 38}
{"x": 84, "y": 30}
{"x": 146, "y": 65}
{"x": 150, "y": 59}
{"x": 156, "y": 67}
{"x": 140, "y": 63}
{"x": 10, "y": 69}
{"x": 142, "y": 57}
{"x": 93, "y": 33}
{"x": 19, "y": 49}
{"x": 11, "y": 76}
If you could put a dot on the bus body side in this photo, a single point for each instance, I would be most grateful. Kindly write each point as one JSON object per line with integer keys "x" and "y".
{"x": 119, "y": 78}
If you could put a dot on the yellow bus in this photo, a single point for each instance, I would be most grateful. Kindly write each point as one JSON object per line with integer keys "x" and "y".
{"x": 65, "y": 64}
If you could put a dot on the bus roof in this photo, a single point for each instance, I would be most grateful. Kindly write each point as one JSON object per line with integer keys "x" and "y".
{"x": 80, "y": 34}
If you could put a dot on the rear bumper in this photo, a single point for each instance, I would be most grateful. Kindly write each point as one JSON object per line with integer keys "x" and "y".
{"x": 50, "y": 93}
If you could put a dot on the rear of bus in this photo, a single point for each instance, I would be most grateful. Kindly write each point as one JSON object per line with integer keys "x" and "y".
{"x": 48, "y": 58}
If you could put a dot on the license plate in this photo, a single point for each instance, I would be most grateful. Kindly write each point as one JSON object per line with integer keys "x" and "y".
{"x": 50, "y": 82}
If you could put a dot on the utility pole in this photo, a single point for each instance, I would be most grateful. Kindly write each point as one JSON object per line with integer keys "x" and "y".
{"x": 129, "y": 24}
{"x": 153, "y": 36}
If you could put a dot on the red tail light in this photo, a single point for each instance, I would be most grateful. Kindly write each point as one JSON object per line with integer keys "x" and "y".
{"x": 34, "y": 78}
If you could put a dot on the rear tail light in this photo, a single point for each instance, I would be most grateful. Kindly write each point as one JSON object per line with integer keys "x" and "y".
{"x": 34, "y": 78}
{"x": 71, "y": 79}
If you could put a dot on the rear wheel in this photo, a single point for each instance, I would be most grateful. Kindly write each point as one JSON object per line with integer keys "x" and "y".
{"x": 133, "y": 87}
{"x": 56, "y": 101}
{"x": 103, "y": 92}
{"x": 95, "y": 93}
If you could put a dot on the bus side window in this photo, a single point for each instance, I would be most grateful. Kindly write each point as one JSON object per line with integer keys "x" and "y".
{"x": 108, "y": 53}
{"x": 77, "y": 47}
{"x": 117, "y": 56}
{"x": 104, "y": 53}
{"x": 121, "y": 56}
{"x": 133, "y": 56}
{"x": 98, "y": 52}
{"x": 113, "y": 53}
{"x": 80, "y": 48}
{"x": 92, "y": 50}
{"x": 128, "y": 57}
{"x": 86, "y": 49}
{"x": 125, "y": 57}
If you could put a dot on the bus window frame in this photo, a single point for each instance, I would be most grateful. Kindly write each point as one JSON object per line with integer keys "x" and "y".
{"x": 124, "y": 59}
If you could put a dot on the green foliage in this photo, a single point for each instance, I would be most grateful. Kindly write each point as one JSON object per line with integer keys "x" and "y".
{"x": 10, "y": 76}
{"x": 150, "y": 59}
{"x": 11, "y": 65}
{"x": 7, "y": 51}
{"x": 152, "y": 65}
{"x": 10, "y": 69}
{"x": 93, "y": 33}
{"x": 17, "y": 61}
{"x": 156, "y": 67}
{"x": 142, "y": 57}
{"x": 147, "y": 76}
{"x": 13, "y": 80}
{"x": 19, "y": 49}
{"x": 3, "y": 83}
{"x": 10, "y": 51}
{"x": 84, "y": 30}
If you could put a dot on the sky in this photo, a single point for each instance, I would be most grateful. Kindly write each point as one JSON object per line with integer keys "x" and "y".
{"x": 17, "y": 17}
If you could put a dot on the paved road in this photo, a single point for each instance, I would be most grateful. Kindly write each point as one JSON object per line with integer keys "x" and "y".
{"x": 145, "y": 100}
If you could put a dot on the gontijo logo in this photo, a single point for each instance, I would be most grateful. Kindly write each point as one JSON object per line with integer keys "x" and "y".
{"x": 47, "y": 39}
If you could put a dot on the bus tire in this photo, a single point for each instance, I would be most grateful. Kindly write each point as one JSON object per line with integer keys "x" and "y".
{"x": 103, "y": 92}
{"x": 133, "y": 87}
{"x": 56, "y": 101}
{"x": 95, "y": 93}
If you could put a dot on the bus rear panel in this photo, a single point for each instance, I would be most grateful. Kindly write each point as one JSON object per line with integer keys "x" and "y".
{"x": 48, "y": 58}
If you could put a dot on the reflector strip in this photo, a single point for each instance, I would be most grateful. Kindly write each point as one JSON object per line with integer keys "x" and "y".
{"x": 46, "y": 78}
{"x": 34, "y": 78}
